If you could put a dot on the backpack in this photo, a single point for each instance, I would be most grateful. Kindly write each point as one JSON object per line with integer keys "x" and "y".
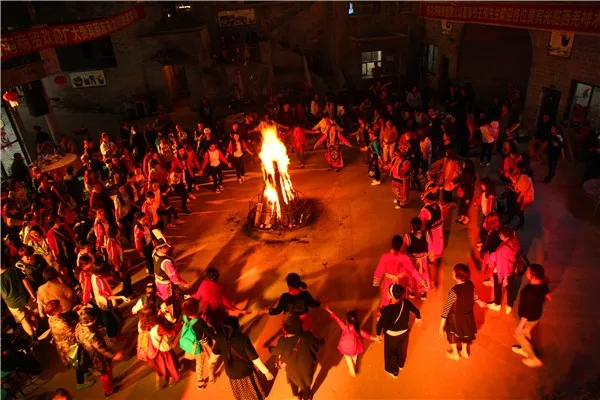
{"x": 145, "y": 349}
{"x": 188, "y": 341}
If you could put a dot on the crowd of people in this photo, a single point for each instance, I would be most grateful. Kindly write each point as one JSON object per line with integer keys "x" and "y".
{"x": 64, "y": 237}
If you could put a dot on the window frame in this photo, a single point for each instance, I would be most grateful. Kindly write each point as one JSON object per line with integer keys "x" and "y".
{"x": 369, "y": 65}
{"x": 430, "y": 61}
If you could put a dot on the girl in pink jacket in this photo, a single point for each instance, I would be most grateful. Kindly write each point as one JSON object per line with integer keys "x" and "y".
{"x": 351, "y": 341}
{"x": 502, "y": 261}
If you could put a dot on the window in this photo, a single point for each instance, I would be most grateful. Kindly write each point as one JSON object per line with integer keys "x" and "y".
{"x": 95, "y": 54}
{"x": 10, "y": 143}
{"x": 430, "y": 54}
{"x": 585, "y": 104}
{"x": 369, "y": 58}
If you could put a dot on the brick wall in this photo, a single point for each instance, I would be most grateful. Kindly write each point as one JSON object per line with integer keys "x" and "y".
{"x": 545, "y": 71}
{"x": 558, "y": 73}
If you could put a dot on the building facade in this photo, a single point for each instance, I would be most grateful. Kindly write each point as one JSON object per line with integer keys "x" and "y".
{"x": 551, "y": 50}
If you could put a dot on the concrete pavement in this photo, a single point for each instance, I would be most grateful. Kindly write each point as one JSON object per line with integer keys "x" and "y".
{"x": 336, "y": 255}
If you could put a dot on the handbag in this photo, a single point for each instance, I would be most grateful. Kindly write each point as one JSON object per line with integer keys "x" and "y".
{"x": 75, "y": 355}
{"x": 521, "y": 263}
{"x": 280, "y": 363}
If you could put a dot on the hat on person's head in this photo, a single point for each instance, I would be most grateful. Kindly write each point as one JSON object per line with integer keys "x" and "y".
{"x": 431, "y": 193}
{"x": 160, "y": 244}
{"x": 397, "y": 291}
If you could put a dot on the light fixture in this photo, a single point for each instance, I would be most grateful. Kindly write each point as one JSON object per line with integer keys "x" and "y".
{"x": 11, "y": 96}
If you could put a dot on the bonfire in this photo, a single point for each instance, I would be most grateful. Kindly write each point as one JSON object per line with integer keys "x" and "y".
{"x": 279, "y": 206}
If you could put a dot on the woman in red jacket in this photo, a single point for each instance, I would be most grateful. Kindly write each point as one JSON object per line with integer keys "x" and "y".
{"x": 214, "y": 302}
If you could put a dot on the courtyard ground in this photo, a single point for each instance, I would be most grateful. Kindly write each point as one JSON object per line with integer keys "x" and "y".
{"x": 336, "y": 255}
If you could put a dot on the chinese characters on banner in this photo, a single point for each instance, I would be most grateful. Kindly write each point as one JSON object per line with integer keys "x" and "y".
{"x": 567, "y": 17}
{"x": 36, "y": 39}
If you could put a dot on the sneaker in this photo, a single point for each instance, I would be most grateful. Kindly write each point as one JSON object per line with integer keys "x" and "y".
{"x": 423, "y": 296}
{"x": 395, "y": 201}
{"x": 517, "y": 349}
{"x": 240, "y": 181}
{"x": 507, "y": 310}
{"x": 217, "y": 190}
{"x": 464, "y": 353}
{"x": 375, "y": 183}
{"x": 191, "y": 196}
{"x": 411, "y": 296}
{"x": 337, "y": 170}
{"x": 301, "y": 165}
{"x": 392, "y": 375}
{"x": 186, "y": 211}
{"x": 202, "y": 384}
{"x": 222, "y": 188}
{"x": 532, "y": 362}
{"x": 397, "y": 207}
{"x": 85, "y": 385}
{"x": 178, "y": 222}
{"x": 452, "y": 355}
{"x": 170, "y": 225}
{"x": 243, "y": 179}
{"x": 493, "y": 306}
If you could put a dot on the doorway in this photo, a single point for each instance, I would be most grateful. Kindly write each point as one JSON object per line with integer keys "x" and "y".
{"x": 177, "y": 83}
{"x": 491, "y": 57}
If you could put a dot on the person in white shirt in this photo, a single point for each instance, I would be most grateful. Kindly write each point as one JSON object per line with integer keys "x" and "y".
{"x": 107, "y": 148}
{"x": 426, "y": 149}
{"x": 489, "y": 134}
{"x": 213, "y": 159}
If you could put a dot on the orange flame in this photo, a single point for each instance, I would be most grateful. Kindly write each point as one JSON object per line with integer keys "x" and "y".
{"x": 273, "y": 153}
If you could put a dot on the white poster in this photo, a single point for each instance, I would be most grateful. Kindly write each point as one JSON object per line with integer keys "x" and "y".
{"x": 87, "y": 79}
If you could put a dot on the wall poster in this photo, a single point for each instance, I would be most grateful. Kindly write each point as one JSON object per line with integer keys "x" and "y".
{"x": 561, "y": 44}
{"x": 87, "y": 79}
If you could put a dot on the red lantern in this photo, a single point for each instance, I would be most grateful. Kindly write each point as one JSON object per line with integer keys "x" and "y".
{"x": 60, "y": 80}
{"x": 11, "y": 96}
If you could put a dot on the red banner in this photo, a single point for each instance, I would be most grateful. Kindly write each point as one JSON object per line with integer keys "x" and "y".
{"x": 36, "y": 39}
{"x": 567, "y": 17}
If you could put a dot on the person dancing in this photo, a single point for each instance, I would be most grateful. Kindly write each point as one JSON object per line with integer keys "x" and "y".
{"x": 458, "y": 319}
{"x": 333, "y": 137}
{"x": 399, "y": 171}
{"x": 433, "y": 222}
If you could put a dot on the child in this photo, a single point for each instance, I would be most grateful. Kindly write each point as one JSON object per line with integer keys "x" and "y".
{"x": 487, "y": 198}
{"x": 351, "y": 341}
